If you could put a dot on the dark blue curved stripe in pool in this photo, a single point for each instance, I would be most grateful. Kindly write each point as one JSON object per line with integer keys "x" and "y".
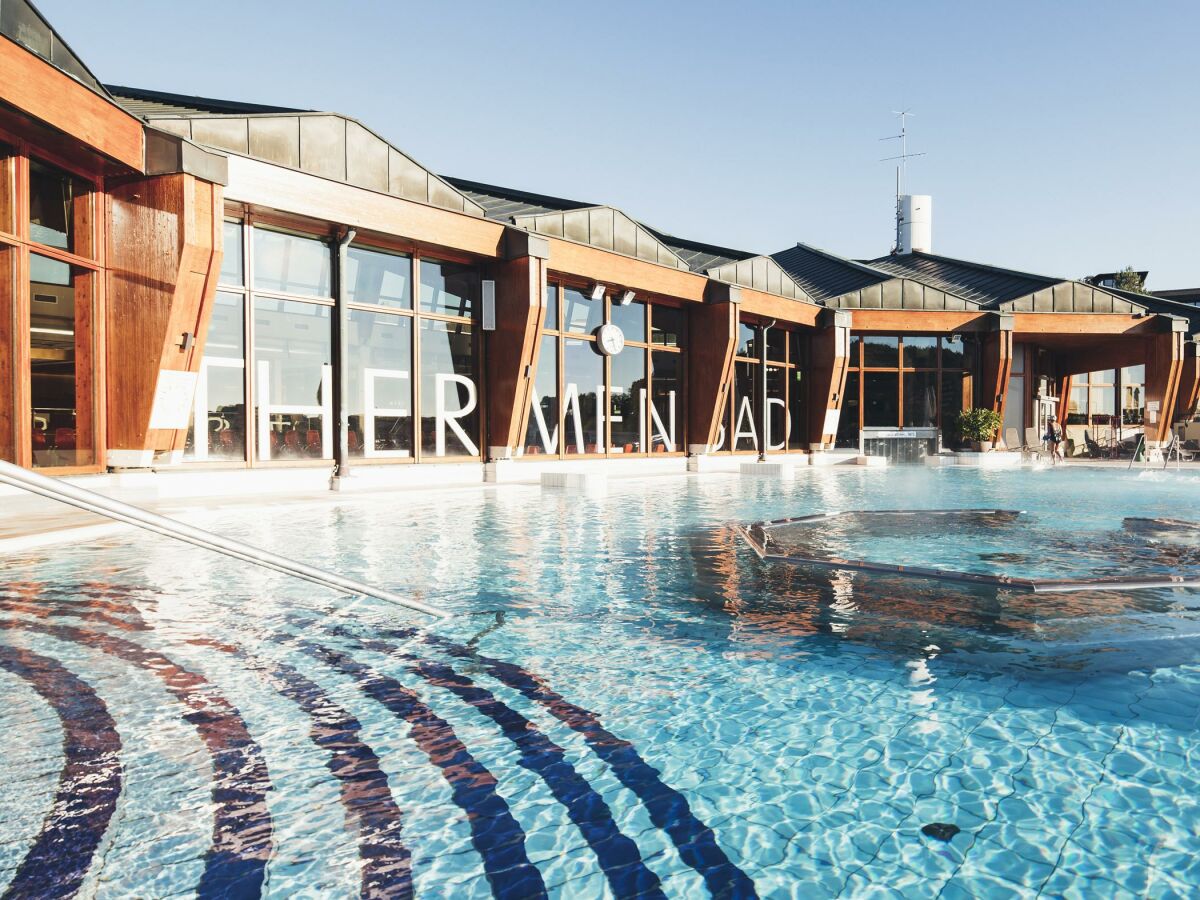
{"x": 88, "y": 784}
{"x": 668, "y": 809}
{"x": 619, "y": 857}
{"x": 497, "y": 836}
{"x": 235, "y": 865}
{"x": 368, "y": 801}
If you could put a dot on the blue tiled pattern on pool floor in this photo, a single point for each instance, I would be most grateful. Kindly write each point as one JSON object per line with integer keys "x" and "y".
{"x": 628, "y": 703}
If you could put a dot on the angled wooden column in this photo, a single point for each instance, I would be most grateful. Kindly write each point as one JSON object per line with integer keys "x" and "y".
{"x": 997, "y": 365}
{"x": 512, "y": 356}
{"x": 1064, "y": 401}
{"x": 1189, "y": 383}
{"x": 827, "y": 378}
{"x": 712, "y": 341}
{"x": 1164, "y": 369}
{"x": 164, "y": 255}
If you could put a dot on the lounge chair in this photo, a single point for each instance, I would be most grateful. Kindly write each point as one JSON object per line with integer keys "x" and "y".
{"x": 1033, "y": 443}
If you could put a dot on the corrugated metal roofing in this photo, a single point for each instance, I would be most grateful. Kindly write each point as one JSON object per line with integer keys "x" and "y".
{"x": 505, "y": 204}
{"x": 149, "y": 104}
{"x": 824, "y": 275}
{"x": 698, "y": 255}
{"x": 987, "y": 285}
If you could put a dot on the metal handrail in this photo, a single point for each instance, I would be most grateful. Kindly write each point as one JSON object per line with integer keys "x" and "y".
{"x": 76, "y": 496}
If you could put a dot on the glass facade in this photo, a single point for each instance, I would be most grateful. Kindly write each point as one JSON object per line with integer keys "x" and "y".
{"x": 49, "y": 219}
{"x": 906, "y": 381}
{"x": 60, "y": 363}
{"x": 785, "y": 400}
{"x": 411, "y": 376}
{"x": 586, "y": 403}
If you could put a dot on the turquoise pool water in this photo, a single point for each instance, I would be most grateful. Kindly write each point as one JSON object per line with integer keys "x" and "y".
{"x": 627, "y": 703}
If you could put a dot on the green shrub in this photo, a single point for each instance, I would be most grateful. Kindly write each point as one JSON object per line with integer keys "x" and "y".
{"x": 979, "y": 424}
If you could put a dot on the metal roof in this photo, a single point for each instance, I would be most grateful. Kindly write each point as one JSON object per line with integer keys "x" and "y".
{"x": 986, "y": 285}
{"x": 505, "y": 204}
{"x": 824, "y": 275}
{"x": 698, "y": 255}
{"x": 148, "y": 104}
{"x": 21, "y": 22}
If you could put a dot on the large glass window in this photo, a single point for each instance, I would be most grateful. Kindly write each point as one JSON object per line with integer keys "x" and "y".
{"x": 920, "y": 398}
{"x": 8, "y": 418}
{"x": 581, "y": 314}
{"x": 58, "y": 209}
{"x": 628, "y": 403}
{"x": 291, "y": 264}
{"x": 880, "y": 351}
{"x": 449, "y": 399}
{"x": 233, "y": 262}
{"x": 541, "y": 431}
{"x": 583, "y": 377}
{"x": 379, "y": 385}
{"x": 631, "y": 320}
{"x": 60, "y": 360}
{"x": 1133, "y": 395}
{"x": 218, "y": 429}
{"x": 293, "y": 379}
{"x": 784, "y": 404}
{"x": 880, "y": 395}
{"x": 666, "y": 325}
{"x": 448, "y": 288}
{"x": 667, "y": 386}
{"x": 909, "y": 381}
{"x": 378, "y": 279}
{"x": 627, "y": 398}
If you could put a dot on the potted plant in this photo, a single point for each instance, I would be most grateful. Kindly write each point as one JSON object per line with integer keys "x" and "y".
{"x": 979, "y": 426}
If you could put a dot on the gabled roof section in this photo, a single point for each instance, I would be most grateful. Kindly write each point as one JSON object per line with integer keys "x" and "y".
{"x": 157, "y": 103}
{"x": 1005, "y": 289}
{"x": 698, "y": 255}
{"x": 845, "y": 284}
{"x": 824, "y": 275}
{"x": 604, "y": 227}
{"x": 21, "y": 22}
{"x": 503, "y": 204}
{"x": 319, "y": 143}
{"x": 760, "y": 273}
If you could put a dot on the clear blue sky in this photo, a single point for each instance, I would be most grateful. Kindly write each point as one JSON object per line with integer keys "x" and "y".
{"x": 1061, "y": 137}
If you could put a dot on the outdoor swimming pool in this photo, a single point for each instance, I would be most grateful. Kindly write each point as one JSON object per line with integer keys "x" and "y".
{"x": 628, "y": 702}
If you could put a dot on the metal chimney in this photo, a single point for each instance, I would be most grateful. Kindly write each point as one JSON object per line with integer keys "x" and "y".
{"x": 916, "y": 223}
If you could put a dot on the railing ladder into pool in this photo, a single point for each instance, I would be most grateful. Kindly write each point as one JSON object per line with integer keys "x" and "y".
{"x": 15, "y": 476}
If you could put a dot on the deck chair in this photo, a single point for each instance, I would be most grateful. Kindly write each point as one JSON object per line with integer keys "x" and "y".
{"x": 1033, "y": 443}
{"x": 1012, "y": 439}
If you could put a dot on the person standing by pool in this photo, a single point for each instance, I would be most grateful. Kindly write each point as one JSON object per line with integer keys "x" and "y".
{"x": 1054, "y": 437}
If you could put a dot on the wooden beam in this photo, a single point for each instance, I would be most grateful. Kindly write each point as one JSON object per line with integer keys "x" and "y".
{"x": 1164, "y": 369}
{"x": 512, "y": 356}
{"x": 781, "y": 309}
{"x": 712, "y": 340}
{"x": 830, "y": 360}
{"x": 1028, "y": 326}
{"x": 1188, "y": 396}
{"x": 37, "y": 88}
{"x": 915, "y": 321}
{"x": 997, "y": 368}
{"x": 266, "y": 186}
{"x": 164, "y": 254}
{"x": 615, "y": 269}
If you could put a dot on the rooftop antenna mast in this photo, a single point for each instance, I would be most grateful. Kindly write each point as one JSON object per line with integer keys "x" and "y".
{"x": 901, "y": 165}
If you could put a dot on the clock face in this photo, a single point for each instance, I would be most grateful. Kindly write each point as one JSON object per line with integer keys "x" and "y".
{"x": 610, "y": 339}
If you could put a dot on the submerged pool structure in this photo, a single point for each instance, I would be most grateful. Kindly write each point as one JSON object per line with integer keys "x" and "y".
{"x": 628, "y": 701}
{"x": 821, "y": 540}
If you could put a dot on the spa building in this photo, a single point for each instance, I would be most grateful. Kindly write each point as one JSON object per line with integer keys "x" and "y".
{"x": 192, "y": 285}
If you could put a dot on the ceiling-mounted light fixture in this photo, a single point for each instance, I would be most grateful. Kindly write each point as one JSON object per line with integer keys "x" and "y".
{"x": 627, "y": 297}
{"x": 598, "y": 291}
